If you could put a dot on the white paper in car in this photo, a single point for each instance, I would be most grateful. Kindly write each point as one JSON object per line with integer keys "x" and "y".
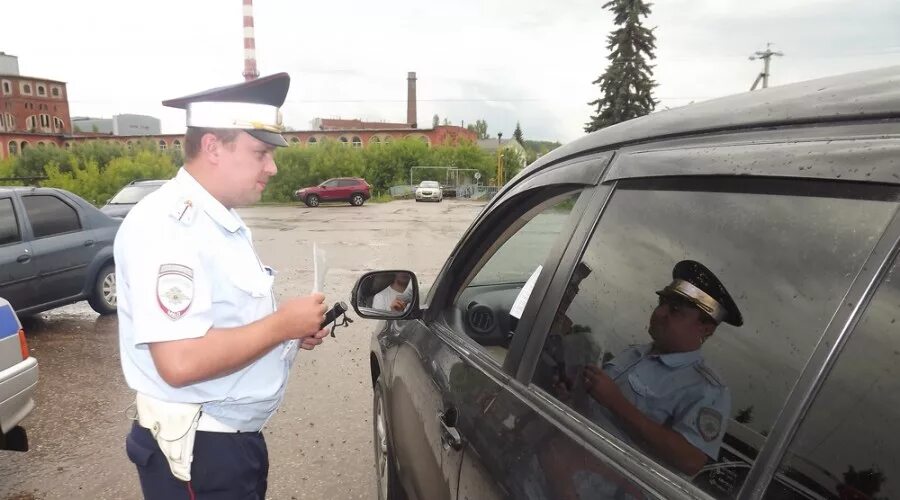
{"x": 522, "y": 299}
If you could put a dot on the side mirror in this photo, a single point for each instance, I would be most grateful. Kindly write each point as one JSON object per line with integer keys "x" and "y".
{"x": 386, "y": 295}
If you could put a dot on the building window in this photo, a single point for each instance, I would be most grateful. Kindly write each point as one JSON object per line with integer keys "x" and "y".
{"x": 30, "y": 123}
{"x": 25, "y": 88}
{"x": 55, "y": 92}
{"x": 344, "y": 141}
{"x": 312, "y": 141}
{"x": 162, "y": 145}
{"x": 41, "y": 90}
{"x": 356, "y": 142}
{"x": 7, "y": 87}
{"x": 45, "y": 121}
{"x": 129, "y": 145}
{"x": 176, "y": 145}
{"x": 13, "y": 148}
{"x": 375, "y": 141}
{"x": 67, "y": 145}
{"x": 23, "y": 145}
{"x": 294, "y": 140}
{"x": 40, "y": 144}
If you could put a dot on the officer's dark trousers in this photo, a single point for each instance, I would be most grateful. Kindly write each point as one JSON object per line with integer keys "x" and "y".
{"x": 226, "y": 466}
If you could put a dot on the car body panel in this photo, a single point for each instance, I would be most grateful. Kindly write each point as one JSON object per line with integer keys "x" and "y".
{"x": 18, "y": 375}
{"x": 62, "y": 266}
{"x": 512, "y": 432}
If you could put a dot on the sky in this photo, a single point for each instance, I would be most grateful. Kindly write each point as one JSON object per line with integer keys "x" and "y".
{"x": 502, "y": 61}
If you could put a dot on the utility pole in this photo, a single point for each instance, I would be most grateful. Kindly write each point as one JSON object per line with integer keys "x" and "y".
{"x": 500, "y": 179}
{"x": 765, "y": 56}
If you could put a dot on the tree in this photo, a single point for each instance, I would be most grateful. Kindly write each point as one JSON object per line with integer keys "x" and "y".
{"x": 517, "y": 135}
{"x": 435, "y": 121}
{"x": 480, "y": 128}
{"x": 627, "y": 84}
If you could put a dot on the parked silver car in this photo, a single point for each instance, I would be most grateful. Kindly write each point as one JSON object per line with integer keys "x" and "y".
{"x": 429, "y": 190}
{"x": 18, "y": 379}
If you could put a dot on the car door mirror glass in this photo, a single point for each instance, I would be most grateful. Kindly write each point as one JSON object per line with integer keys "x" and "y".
{"x": 386, "y": 295}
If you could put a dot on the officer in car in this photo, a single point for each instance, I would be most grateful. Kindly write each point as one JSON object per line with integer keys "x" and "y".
{"x": 201, "y": 341}
{"x": 662, "y": 394}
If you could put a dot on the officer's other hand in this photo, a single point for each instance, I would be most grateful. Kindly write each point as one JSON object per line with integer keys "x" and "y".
{"x": 310, "y": 343}
{"x": 600, "y": 386}
{"x": 398, "y": 305}
{"x": 302, "y": 317}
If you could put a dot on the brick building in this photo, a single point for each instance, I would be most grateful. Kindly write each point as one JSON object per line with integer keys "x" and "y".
{"x": 34, "y": 112}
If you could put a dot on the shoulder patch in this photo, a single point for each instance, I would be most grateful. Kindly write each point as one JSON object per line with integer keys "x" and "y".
{"x": 709, "y": 423}
{"x": 175, "y": 289}
{"x": 711, "y": 376}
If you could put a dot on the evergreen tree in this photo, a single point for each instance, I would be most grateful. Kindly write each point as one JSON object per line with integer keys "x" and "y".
{"x": 517, "y": 135}
{"x": 627, "y": 85}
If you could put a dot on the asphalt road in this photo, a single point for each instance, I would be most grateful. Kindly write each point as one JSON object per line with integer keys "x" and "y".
{"x": 320, "y": 442}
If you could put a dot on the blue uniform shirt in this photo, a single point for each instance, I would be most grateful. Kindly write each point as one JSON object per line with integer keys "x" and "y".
{"x": 185, "y": 264}
{"x": 676, "y": 390}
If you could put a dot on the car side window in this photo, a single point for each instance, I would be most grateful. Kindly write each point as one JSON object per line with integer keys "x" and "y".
{"x": 847, "y": 446}
{"x": 346, "y": 183}
{"x": 631, "y": 361}
{"x": 486, "y": 303}
{"x": 331, "y": 183}
{"x": 9, "y": 224}
{"x": 49, "y": 215}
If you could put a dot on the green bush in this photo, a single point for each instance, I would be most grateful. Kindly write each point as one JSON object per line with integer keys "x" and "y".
{"x": 96, "y": 170}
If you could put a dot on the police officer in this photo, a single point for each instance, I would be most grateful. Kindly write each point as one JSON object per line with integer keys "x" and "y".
{"x": 662, "y": 394}
{"x": 201, "y": 341}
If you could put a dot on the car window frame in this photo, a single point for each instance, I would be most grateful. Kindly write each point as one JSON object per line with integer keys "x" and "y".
{"x": 580, "y": 174}
{"x": 16, "y": 218}
{"x": 34, "y": 236}
{"x": 823, "y": 358}
{"x": 770, "y": 454}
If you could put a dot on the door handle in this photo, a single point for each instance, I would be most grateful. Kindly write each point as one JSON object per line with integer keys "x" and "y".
{"x": 23, "y": 258}
{"x": 450, "y": 437}
{"x": 88, "y": 243}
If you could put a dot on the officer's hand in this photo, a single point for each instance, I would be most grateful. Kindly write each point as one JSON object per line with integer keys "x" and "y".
{"x": 302, "y": 317}
{"x": 600, "y": 386}
{"x": 310, "y": 343}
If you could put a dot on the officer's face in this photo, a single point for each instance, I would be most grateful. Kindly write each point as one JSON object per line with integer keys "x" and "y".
{"x": 246, "y": 166}
{"x": 676, "y": 325}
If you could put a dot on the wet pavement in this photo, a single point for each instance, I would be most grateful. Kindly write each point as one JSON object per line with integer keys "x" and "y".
{"x": 320, "y": 442}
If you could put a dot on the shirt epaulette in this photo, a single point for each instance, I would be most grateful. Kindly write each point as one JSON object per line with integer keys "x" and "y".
{"x": 709, "y": 374}
{"x": 183, "y": 211}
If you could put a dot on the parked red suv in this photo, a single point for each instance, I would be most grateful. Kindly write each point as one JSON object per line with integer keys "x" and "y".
{"x": 352, "y": 189}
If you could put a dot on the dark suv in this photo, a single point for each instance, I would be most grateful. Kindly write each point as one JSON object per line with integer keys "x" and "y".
{"x": 135, "y": 191}
{"x": 514, "y": 379}
{"x": 55, "y": 249}
{"x": 352, "y": 189}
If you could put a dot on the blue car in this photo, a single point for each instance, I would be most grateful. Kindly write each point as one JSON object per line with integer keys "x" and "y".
{"x": 18, "y": 379}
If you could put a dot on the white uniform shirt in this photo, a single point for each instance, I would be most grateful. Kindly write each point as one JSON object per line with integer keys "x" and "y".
{"x": 385, "y": 298}
{"x": 185, "y": 264}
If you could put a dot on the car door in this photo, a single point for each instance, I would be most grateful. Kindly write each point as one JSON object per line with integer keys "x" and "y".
{"x": 330, "y": 191}
{"x": 18, "y": 278}
{"x": 450, "y": 369}
{"x": 63, "y": 248}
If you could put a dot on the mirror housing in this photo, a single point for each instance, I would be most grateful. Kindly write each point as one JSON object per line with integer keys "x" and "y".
{"x": 377, "y": 294}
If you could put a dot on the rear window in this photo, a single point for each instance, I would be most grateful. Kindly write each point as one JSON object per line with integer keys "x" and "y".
{"x": 132, "y": 194}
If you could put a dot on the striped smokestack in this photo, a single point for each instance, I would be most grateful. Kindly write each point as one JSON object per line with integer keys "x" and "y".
{"x": 250, "y": 72}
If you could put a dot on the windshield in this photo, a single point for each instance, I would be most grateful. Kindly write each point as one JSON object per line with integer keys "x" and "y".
{"x": 429, "y": 184}
{"x": 132, "y": 194}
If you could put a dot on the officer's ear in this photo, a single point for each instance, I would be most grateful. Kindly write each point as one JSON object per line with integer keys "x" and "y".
{"x": 210, "y": 147}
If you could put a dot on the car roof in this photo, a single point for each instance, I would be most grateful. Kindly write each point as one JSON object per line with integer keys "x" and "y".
{"x": 865, "y": 95}
{"x": 153, "y": 182}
